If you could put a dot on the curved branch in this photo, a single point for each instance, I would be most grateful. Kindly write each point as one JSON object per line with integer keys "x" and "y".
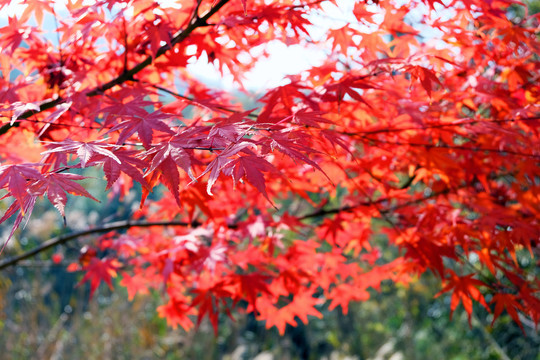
{"x": 126, "y": 75}
{"x": 118, "y": 225}
{"x": 179, "y": 37}
{"x": 351, "y": 208}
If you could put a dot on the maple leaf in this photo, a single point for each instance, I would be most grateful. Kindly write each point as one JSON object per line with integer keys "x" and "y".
{"x": 284, "y": 96}
{"x": 426, "y": 76}
{"x": 302, "y": 305}
{"x": 294, "y": 149}
{"x": 222, "y": 160}
{"x": 20, "y": 108}
{"x": 176, "y": 312}
{"x": 251, "y": 285}
{"x": 251, "y": 167}
{"x": 56, "y": 185}
{"x": 361, "y": 13}
{"x": 129, "y": 164}
{"x": 309, "y": 118}
{"x": 98, "y": 270}
{"x": 144, "y": 126}
{"x": 166, "y": 158}
{"x": 343, "y": 294}
{"x": 84, "y": 150}
{"x": 207, "y": 302}
{"x": 508, "y": 302}
{"x": 342, "y": 37}
{"x": 158, "y": 31}
{"x": 37, "y": 7}
{"x": 274, "y": 316}
{"x": 16, "y": 178}
{"x": 135, "y": 107}
{"x": 465, "y": 289}
{"x": 228, "y": 130}
{"x": 346, "y": 86}
{"x": 14, "y": 33}
{"x": 24, "y": 207}
{"x": 136, "y": 284}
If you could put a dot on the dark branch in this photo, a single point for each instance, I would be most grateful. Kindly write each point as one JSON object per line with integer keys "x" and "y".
{"x": 317, "y": 213}
{"x": 119, "y": 225}
{"x": 440, "y": 126}
{"x": 350, "y": 208}
{"x": 454, "y": 147}
{"x": 126, "y": 75}
{"x": 179, "y": 37}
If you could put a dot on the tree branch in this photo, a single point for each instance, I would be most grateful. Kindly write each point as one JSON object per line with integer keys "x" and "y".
{"x": 179, "y": 37}
{"x": 453, "y": 147}
{"x": 350, "y": 208}
{"x": 439, "y": 126}
{"x": 126, "y": 74}
{"x": 119, "y": 225}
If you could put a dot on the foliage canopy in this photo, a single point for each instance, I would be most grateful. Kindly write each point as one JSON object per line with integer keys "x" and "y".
{"x": 421, "y": 124}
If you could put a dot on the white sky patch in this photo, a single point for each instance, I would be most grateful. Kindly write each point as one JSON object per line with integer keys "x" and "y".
{"x": 267, "y": 73}
{"x": 14, "y": 8}
{"x": 284, "y": 59}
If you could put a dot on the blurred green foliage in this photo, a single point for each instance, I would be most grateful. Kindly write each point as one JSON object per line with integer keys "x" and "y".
{"x": 44, "y": 315}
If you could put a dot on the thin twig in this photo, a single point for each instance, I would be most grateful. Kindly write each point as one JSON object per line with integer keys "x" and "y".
{"x": 195, "y": 102}
{"x": 437, "y": 126}
{"x": 453, "y": 147}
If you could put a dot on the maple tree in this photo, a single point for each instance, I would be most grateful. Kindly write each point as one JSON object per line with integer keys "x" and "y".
{"x": 431, "y": 141}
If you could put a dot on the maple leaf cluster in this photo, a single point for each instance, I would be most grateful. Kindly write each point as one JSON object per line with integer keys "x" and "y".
{"x": 428, "y": 138}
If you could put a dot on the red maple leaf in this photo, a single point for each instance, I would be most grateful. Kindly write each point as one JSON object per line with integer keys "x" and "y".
{"x": 144, "y": 126}
{"x": 251, "y": 167}
{"x": 302, "y": 305}
{"x": 343, "y": 294}
{"x": 465, "y": 290}
{"x": 16, "y": 178}
{"x": 56, "y": 185}
{"x": 85, "y": 150}
{"x": 98, "y": 270}
{"x": 165, "y": 160}
{"x": 129, "y": 164}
